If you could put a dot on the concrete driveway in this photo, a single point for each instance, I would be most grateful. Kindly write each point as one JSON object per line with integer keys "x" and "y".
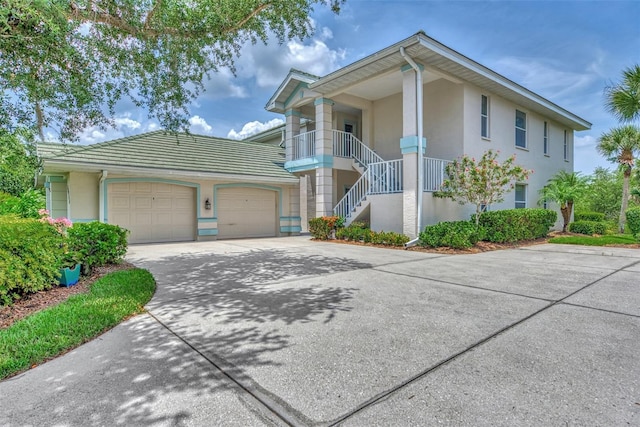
{"x": 289, "y": 331}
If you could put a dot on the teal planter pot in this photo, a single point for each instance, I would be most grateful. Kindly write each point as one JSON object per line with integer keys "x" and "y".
{"x": 69, "y": 276}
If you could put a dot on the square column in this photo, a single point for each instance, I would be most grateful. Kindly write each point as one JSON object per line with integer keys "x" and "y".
{"x": 324, "y": 157}
{"x": 292, "y": 128}
{"x": 409, "y": 149}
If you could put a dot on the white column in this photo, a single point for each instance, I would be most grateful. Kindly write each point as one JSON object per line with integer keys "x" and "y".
{"x": 408, "y": 146}
{"x": 292, "y": 128}
{"x": 324, "y": 156}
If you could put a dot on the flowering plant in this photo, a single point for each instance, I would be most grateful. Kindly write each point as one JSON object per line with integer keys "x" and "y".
{"x": 60, "y": 224}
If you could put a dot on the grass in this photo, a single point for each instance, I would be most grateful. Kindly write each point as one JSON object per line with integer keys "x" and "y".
{"x": 616, "y": 239}
{"x": 58, "y": 329}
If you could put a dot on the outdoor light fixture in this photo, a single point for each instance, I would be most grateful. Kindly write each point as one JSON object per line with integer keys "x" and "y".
{"x": 207, "y": 205}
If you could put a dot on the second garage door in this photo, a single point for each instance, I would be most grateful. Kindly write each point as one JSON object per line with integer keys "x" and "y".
{"x": 153, "y": 211}
{"x": 246, "y": 212}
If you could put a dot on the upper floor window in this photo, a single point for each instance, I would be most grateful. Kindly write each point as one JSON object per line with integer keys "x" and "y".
{"x": 484, "y": 117}
{"x": 521, "y": 129}
{"x": 521, "y": 196}
{"x": 565, "y": 146}
{"x": 545, "y": 139}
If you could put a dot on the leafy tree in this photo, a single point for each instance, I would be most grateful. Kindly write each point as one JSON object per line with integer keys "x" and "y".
{"x": 66, "y": 63}
{"x": 564, "y": 188}
{"x": 623, "y": 98}
{"x": 621, "y": 145}
{"x": 603, "y": 194}
{"x": 481, "y": 183}
{"x": 18, "y": 162}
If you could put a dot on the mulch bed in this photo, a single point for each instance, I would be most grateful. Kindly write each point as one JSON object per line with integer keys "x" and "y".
{"x": 40, "y": 300}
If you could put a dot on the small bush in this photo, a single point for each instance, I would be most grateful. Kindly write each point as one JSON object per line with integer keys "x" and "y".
{"x": 633, "y": 221}
{"x": 97, "y": 243}
{"x": 355, "y": 231}
{"x": 513, "y": 225}
{"x": 588, "y": 216}
{"x": 388, "y": 238}
{"x": 321, "y": 228}
{"x": 588, "y": 227}
{"x": 30, "y": 257}
{"x": 455, "y": 234}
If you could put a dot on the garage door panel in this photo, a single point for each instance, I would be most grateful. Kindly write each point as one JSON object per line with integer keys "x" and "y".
{"x": 246, "y": 212}
{"x": 153, "y": 212}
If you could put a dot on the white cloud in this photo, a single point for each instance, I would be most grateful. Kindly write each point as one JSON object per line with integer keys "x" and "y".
{"x": 127, "y": 122}
{"x": 221, "y": 85}
{"x": 586, "y": 141}
{"x": 200, "y": 126}
{"x": 253, "y": 128}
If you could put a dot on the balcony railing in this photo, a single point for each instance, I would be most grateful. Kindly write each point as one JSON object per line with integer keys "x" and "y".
{"x": 345, "y": 144}
{"x": 304, "y": 145}
{"x": 434, "y": 173}
{"x": 385, "y": 177}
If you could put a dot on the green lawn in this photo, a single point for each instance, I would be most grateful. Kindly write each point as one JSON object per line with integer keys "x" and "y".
{"x": 615, "y": 239}
{"x": 82, "y": 317}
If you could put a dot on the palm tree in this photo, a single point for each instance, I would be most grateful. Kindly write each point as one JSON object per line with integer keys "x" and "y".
{"x": 621, "y": 145}
{"x": 564, "y": 188}
{"x": 623, "y": 99}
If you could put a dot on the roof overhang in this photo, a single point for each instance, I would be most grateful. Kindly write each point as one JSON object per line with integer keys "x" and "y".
{"x": 440, "y": 59}
{"x": 294, "y": 81}
{"x": 56, "y": 167}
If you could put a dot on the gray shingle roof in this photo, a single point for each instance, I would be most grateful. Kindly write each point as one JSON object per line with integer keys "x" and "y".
{"x": 179, "y": 152}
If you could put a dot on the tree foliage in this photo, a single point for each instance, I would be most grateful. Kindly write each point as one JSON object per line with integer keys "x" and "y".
{"x": 564, "y": 188}
{"x": 623, "y": 98}
{"x": 18, "y": 163}
{"x": 64, "y": 64}
{"x": 481, "y": 183}
{"x": 621, "y": 145}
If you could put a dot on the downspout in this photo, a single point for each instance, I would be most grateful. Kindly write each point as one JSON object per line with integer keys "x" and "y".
{"x": 419, "y": 101}
{"x": 101, "y": 195}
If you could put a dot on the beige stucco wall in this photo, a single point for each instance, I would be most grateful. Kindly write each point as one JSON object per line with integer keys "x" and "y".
{"x": 444, "y": 119}
{"x": 435, "y": 210}
{"x": 83, "y": 192}
{"x": 342, "y": 179}
{"x": 387, "y": 127}
{"x": 386, "y": 212}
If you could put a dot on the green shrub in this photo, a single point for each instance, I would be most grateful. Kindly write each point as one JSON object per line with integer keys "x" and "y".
{"x": 455, "y": 234}
{"x": 97, "y": 243}
{"x": 633, "y": 221}
{"x": 319, "y": 228}
{"x": 30, "y": 257}
{"x": 588, "y": 227}
{"x": 25, "y": 206}
{"x": 387, "y": 238}
{"x": 588, "y": 216}
{"x": 355, "y": 231}
{"x": 513, "y": 225}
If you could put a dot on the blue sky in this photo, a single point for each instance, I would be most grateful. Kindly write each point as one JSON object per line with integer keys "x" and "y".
{"x": 566, "y": 51}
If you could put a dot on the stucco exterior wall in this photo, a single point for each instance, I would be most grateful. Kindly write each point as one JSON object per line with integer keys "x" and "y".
{"x": 387, "y": 127}
{"x": 444, "y": 119}
{"x": 435, "y": 210}
{"x": 84, "y": 196}
{"x": 386, "y": 212}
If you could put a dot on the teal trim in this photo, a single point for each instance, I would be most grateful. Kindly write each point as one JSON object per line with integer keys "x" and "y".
{"x": 290, "y": 229}
{"x": 295, "y": 113}
{"x": 47, "y": 184}
{"x": 301, "y": 85}
{"x": 201, "y": 220}
{"x": 409, "y": 144}
{"x": 315, "y": 162}
{"x": 56, "y": 178}
{"x": 408, "y": 67}
{"x": 207, "y": 232}
{"x": 327, "y": 101}
{"x": 243, "y": 185}
{"x": 162, "y": 180}
{"x": 290, "y": 218}
{"x": 74, "y": 220}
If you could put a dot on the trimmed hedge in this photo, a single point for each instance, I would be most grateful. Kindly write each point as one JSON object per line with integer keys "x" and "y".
{"x": 455, "y": 234}
{"x": 633, "y": 221}
{"x": 588, "y": 216}
{"x": 513, "y": 225}
{"x": 360, "y": 232}
{"x": 588, "y": 227}
{"x": 31, "y": 252}
{"x": 97, "y": 243}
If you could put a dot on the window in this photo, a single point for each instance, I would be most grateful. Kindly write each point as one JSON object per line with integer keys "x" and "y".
{"x": 565, "y": 147}
{"x": 545, "y": 139}
{"x": 484, "y": 117}
{"x": 521, "y": 196}
{"x": 521, "y": 129}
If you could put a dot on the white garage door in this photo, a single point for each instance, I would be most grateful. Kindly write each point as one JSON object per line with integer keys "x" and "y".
{"x": 153, "y": 211}
{"x": 246, "y": 212}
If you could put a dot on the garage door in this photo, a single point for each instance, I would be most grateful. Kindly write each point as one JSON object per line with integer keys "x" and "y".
{"x": 152, "y": 211}
{"x": 246, "y": 212}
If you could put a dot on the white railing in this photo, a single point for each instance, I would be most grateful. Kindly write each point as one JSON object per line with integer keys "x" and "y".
{"x": 304, "y": 145}
{"x": 385, "y": 177}
{"x": 434, "y": 173}
{"x": 353, "y": 198}
{"x": 345, "y": 144}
